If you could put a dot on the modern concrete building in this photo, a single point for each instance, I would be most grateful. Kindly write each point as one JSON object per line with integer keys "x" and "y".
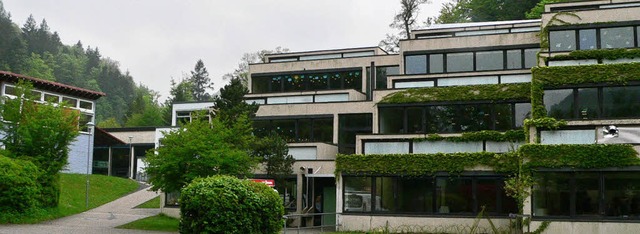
{"x": 423, "y": 137}
{"x": 79, "y": 99}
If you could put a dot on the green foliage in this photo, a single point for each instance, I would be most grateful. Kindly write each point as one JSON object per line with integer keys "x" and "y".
{"x": 159, "y": 222}
{"x": 200, "y": 149}
{"x": 550, "y": 77}
{"x": 579, "y": 156}
{"x": 230, "y": 103}
{"x": 499, "y": 10}
{"x": 37, "y": 67}
{"x": 145, "y": 110}
{"x": 610, "y": 54}
{"x": 274, "y": 152}
{"x": 40, "y": 133}
{"x": 109, "y": 123}
{"x": 18, "y": 185}
{"x": 536, "y": 11}
{"x": 454, "y": 12}
{"x": 201, "y": 82}
{"x": 484, "y": 135}
{"x": 225, "y": 204}
{"x": 520, "y": 91}
{"x": 553, "y": 21}
{"x": 422, "y": 164}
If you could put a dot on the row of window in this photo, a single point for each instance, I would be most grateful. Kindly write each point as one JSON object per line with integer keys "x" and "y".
{"x": 452, "y": 118}
{"x": 323, "y": 56}
{"x": 297, "y": 130}
{"x": 470, "y": 61}
{"x": 591, "y": 39}
{"x": 427, "y": 195}
{"x": 382, "y": 73}
{"x": 315, "y": 81}
{"x": 587, "y": 195}
{"x": 53, "y": 98}
{"x": 590, "y": 103}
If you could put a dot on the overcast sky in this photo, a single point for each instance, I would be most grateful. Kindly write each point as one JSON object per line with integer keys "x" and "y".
{"x": 159, "y": 40}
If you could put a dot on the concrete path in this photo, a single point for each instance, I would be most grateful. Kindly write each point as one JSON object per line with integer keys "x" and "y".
{"x": 100, "y": 220}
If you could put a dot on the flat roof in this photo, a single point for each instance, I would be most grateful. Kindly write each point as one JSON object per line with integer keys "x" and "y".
{"x": 477, "y": 24}
{"x": 51, "y": 86}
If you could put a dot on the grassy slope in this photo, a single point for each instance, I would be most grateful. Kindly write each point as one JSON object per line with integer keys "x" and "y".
{"x": 159, "y": 222}
{"x": 153, "y": 203}
{"x": 103, "y": 189}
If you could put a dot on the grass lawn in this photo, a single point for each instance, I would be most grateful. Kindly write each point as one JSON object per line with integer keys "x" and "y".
{"x": 103, "y": 189}
{"x": 153, "y": 203}
{"x": 159, "y": 222}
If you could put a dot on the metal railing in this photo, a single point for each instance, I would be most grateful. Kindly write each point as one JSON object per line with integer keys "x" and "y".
{"x": 309, "y": 217}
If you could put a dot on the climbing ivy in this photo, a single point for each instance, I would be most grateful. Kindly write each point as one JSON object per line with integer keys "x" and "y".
{"x": 485, "y": 135}
{"x": 579, "y": 156}
{"x": 610, "y": 54}
{"x": 518, "y": 91}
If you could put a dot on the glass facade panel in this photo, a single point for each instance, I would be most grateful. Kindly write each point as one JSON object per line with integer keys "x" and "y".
{"x": 559, "y": 103}
{"x": 588, "y": 107}
{"x": 552, "y": 194}
{"x": 305, "y": 129}
{"x": 489, "y": 60}
{"x": 436, "y": 63}
{"x": 487, "y": 193}
{"x": 503, "y": 117}
{"x": 587, "y": 194}
{"x": 286, "y": 129}
{"x": 353, "y": 80}
{"x": 620, "y": 102}
{"x": 391, "y": 120}
{"x": 454, "y": 195}
{"x": 523, "y": 111}
{"x": 617, "y": 38}
{"x": 514, "y": 59}
{"x": 385, "y": 199}
{"x": 415, "y": 64}
{"x": 323, "y": 130}
{"x": 415, "y": 120}
{"x": 318, "y": 82}
{"x": 382, "y": 73}
{"x": 415, "y": 195}
{"x": 588, "y": 40}
{"x": 562, "y": 40}
{"x": 459, "y": 62}
{"x": 295, "y": 83}
{"x": 335, "y": 80}
{"x": 622, "y": 195}
{"x": 531, "y": 58}
{"x": 351, "y": 125}
{"x": 357, "y": 194}
{"x": 307, "y": 82}
{"x": 86, "y": 105}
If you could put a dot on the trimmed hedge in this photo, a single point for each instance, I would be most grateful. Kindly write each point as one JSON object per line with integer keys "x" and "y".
{"x": 611, "y": 54}
{"x": 484, "y": 135}
{"x": 519, "y": 91}
{"x": 579, "y": 156}
{"x": 225, "y": 204}
{"x": 18, "y": 185}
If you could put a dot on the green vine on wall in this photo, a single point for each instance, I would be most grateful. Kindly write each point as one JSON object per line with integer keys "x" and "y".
{"x": 579, "y": 156}
{"x": 518, "y": 91}
{"x": 610, "y": 54}
{"x": 484, "y": 135}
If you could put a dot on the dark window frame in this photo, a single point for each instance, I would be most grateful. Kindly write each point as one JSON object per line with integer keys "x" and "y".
{"x": 576, "y": 112}
{"x": 576, "y": 31}
{"x": 297, "y": 133}
{"x": 358, "y": 80}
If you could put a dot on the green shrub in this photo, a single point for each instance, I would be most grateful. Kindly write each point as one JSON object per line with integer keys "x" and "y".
{"x": 18, "y": 185}
{"x": 225, "y": 204}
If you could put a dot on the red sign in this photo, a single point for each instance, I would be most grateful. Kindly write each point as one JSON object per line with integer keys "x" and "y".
{"x": 269, "y": 182}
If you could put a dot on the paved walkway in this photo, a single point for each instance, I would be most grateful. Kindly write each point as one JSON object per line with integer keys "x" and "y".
{"x": 100, "y": 220}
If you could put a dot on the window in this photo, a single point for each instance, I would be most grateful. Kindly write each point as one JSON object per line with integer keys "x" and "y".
{"x": 297, "y": 130}
{"x": 617, "y": 37}
{"x": 436, "y": 63}
{"x": 489, "y": 60}
{"x": 415, "y": 64}
{"x": 514, "y": 59}
{"x": 459, "y": 195}
{"x": 307, "y": 81}
{"x": 588, "y": 39}
{"x": 86, "y": 105}
{"x": 559, "y": 103}
{"x": 10, "y": 90}
{"x": 459, "y": 62}
{"x": 452, "y": 118}
{"x": 593, "y": 103}
{"x": 71, "y": 102}
{"x": 51, "y": 98}
{"x": 562, "y": 40}
{"x": 531, "y": 58}
{"x": 589, "y": 195}
{"x": 382, "y": 73}
{"x": 350, "y": 125}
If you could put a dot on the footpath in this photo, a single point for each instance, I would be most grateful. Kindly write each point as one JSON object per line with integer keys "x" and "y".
{"x": 100, "y": 220}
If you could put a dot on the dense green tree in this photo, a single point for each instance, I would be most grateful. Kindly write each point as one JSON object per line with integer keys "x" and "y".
{"x": 180, "y": 92}
{"x": 453, "y": 12}
{"x": 109, "y": 123}
{"x": 201, "y": 149}
{"x": 274, "y": 153}
{"x": 36, "y": 66}
{"x": 40, "y": 133}
{"x": 145, "y": 110}
{"x": 201, "y": 82}
{"x": 230, "y": 104}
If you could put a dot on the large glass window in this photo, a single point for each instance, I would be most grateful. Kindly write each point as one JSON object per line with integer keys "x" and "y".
{"x": 382, "y": 73}
{"x": 350, "y": 125}
{"x": 436, "y": 63}
{"x": 523, "y": 111}
{"x": 617, "y": 37}
{"x": 297, "y": 130}
{"x": 593, "y": 195}
{"x": 588, "y": 103}
{"x": 415, "y": 64}
{"x": 514, "y": 59}
{"x": 427, "y": 195}
{"x": 559, "y": 103}
{"x": 489, "y": 60}
{"x": 531, "y": 58}
{"x": 459, "y": 62}
{"x": 588, "y": 40}
{"x": 391, "y": 120}
{"x": 307, "y": 81}
{"x": 357, "y": 194}
{"x": 619, "y": 102}
{"x": 562, "y": 40}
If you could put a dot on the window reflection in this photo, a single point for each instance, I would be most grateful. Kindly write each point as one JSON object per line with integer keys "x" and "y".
{"x": 559, "y": 103}
{"x": 617, "y": 37}
{"x": 459, "y": 62}
{"x": 588, "y": 39}
{"x": 415, "y": 64}
{"x": 489, "y": 60}
{"x": 307, "y": 81}
{"x": 562, "y": 40}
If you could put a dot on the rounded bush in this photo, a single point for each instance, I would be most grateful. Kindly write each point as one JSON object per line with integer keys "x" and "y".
{"x": 225, "y": 204}
{"x": 18, "y": 185}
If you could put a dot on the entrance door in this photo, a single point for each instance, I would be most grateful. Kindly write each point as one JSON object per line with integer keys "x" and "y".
{"x": 329, "y": 204}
